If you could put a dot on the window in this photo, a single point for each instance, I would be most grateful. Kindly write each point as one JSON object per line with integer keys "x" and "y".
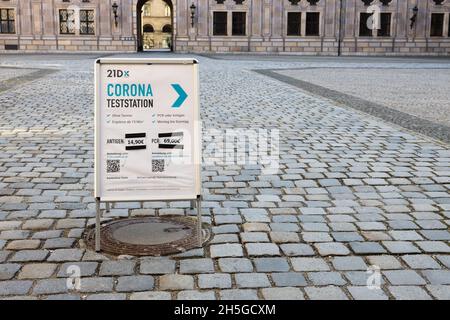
{"x": 364, "y": 31}
{"x": 167, "y": 28}
{"x": 437, "y": 25}
{"x": 66, "y": 21}
{"x": 167, "y": 11}
{"x": 146, "y": 10}
{"x": 385, "y": 25}
{"x": 87, "y": 22}
{"x": 220, "y": 23}
{"x": 238, "y": 24}
{"x": 148, "y": 28}
{"x": 7, "y": 21}
{"x": 294, "y": 20}
{"x": 312, "y": 23}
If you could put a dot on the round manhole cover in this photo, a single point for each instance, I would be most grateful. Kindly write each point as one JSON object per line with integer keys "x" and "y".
{"x": 148, "y": 236}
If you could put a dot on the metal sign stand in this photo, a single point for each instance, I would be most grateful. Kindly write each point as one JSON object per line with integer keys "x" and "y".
{"x": 194, "y": 203}
{"x": 195, "y": 195}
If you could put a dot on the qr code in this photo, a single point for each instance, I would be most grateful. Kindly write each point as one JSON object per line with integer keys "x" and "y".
{"x": 112, "y": 166}
{"x": 158, "y": 165}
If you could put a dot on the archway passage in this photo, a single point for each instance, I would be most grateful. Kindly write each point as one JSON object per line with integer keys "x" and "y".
{"x": 155, "y": 25}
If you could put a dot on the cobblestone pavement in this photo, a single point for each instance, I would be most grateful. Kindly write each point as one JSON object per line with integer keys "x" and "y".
{"x": 8, "y": 73}
{"x": 353, "y": 195}
{"x": 420, "y": 92}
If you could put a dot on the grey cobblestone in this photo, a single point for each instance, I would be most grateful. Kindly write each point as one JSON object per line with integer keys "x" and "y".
{"x": 332, "y": 249}
{"x": 309, "y": 264}
{"x": 367, "y": 248}
{"x": 61, "y": 255}
{"x": 262, "y": 249}
{"x": 226, "y": 250}
{"x": 37, "y": 271}
{"x": 437, "y": 277}
{"x": 420, "y": 262}
{"x": 134, "y": 283}
{"x": 157, "y": 266}
{"x": 282, "y": 294}
{"x": 289, "y": 279}
{"x": 217, "y": 280}
{"x": 23, "y": 244}
{"x": 29, "y": 255}
{"x": 439, "y": 292}
{"x": 252, "y": 280}
{"x": 385, "y": 262}
{"x": 176, "y": 282}
{"x": 117, "y": 268}
{"x": 325, "y": 293}
{"x": 233, "y": 265}
{"x": 400, "y": 247}
{"x": 404, "y": 277}
{"x": 95, "y": 284}
{"x": 271, "y": 264}
{"x": 297, "y": 249}
{"x": 196, "y": 266}
{"x": 15, "y": 287}
{"x": 238, "y": 294}
{"x": 326, "y": 278}
{"x": 50, "y": 286}
{"x": 363, "y": 293}
{"x": 349, "y": 263}
{"x": 196, "y": 295}
{"x": 409, "y": 293}
{"x": 151, "y": 295}
{"x": 8, "y": 270}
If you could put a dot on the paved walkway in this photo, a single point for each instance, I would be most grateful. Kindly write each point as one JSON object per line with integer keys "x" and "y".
{"x": 354, "y": 197}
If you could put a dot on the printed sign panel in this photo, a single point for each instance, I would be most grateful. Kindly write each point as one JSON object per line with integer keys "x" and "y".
{"x": 147, "y": 129}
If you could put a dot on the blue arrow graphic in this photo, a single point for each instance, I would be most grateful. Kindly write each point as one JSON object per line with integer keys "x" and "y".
{"x": 181, "y": 93}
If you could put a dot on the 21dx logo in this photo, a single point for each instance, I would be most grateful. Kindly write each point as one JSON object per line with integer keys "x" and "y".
{"x": 117, "y": 73}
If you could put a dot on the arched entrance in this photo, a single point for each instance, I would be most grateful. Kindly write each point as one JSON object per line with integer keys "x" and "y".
{"x": 154, "y": 25}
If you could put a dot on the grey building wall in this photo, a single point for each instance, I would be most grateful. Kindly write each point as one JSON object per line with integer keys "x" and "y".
{"x": 37, "y": 27}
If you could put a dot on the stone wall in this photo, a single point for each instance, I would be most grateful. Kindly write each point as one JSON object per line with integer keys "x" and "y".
{"x": 37, "y": 27}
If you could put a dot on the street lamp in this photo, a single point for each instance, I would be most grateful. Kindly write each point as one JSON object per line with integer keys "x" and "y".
{"x": 414, "y": 17}
{"x": 192, "y": 7}
{"x": 116, "y": 16}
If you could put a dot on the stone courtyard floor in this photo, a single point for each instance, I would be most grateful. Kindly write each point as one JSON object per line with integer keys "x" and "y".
{"x": 355, "y": 196}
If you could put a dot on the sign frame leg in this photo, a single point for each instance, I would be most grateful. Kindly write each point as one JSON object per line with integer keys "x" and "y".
{"x": 97, "y": 225}
{"x": 199, "y": 220}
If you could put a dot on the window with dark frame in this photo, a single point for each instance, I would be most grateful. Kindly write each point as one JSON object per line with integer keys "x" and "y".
{"x": 364, "y": 31}
{"x": 294, "y": 20}
{"x": 7, "y": 21}
{"x": 220, "y": 23}
{"x": 312, "y": 24}
{"x": 385, "y": 25}
{"x": 238, "y": 23}
{"x": 437, "y": 25}
{"x": 66, "y": 21}
{"x": 87, "y": 22}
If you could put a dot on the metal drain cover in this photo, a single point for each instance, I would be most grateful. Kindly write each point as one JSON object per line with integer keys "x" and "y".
{"x": 148, "y": 236}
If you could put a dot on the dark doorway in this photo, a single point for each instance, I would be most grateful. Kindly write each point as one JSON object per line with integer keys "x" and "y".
{"x": 154, "y": 25}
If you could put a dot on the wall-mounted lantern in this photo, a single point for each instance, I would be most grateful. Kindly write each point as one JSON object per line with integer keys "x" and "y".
{"x": 414, "y": 16}
{"x": 192, "y": 7}
{"x": 116, "y": 15}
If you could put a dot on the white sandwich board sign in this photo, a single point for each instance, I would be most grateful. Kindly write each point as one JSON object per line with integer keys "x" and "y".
{"x": 147, "y": 130}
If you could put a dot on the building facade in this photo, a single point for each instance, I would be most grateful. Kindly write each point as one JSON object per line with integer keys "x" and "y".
{"x": 328, "y": 27}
